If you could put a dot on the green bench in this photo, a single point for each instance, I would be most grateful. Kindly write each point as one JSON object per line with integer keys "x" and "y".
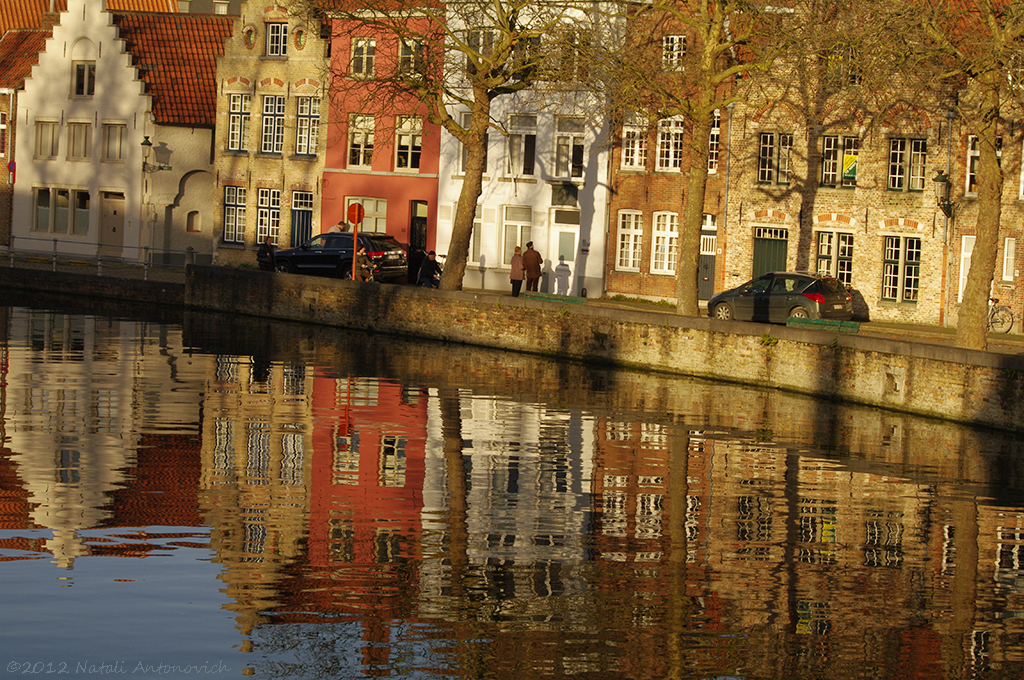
{"x": 826, "y": 325}
{"x": 556, "y": 298}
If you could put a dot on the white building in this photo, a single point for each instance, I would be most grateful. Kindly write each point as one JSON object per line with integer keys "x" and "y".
{"x": 105, "y": 83}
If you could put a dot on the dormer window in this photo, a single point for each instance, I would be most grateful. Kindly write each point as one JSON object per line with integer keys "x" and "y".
{"x": 277, "y": 40}
{"x": 83, "y": 78}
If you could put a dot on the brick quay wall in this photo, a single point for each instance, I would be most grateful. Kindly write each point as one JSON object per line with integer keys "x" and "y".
{"x": 980, "y": 388}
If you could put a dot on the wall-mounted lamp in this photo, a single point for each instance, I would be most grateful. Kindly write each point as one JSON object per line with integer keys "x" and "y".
{"x": 942, "y": 185}
{"x": 147, "y": 149}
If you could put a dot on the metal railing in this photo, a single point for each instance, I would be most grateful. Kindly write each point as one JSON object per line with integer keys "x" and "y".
{"x": 45, "y": 253}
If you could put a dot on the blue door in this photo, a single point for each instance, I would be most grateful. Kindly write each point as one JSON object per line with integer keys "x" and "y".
{"x": 302, "y": 227}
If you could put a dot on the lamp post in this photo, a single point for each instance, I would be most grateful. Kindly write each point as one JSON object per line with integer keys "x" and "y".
{"x": 942, "y": 185}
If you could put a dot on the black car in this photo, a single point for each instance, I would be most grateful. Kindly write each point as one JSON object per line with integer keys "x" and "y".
{"x": 779, "y": 296}
{"x": 331, "y": 255}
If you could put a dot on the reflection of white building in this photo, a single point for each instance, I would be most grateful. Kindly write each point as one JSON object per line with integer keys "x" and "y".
{"x": 82, "y": 411}
{"x": 528, "y": 480}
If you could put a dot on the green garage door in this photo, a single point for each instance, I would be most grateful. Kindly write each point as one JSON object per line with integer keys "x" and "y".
{"x": 769, "y": 250}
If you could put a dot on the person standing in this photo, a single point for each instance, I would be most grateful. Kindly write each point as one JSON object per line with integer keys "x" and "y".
{"x": 532, "y": 261}
{"x": 265, "y": 256}
{"x": 364, "y": 265}
{"x": 516, "y": 276}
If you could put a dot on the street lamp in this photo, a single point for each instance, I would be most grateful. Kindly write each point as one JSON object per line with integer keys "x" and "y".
{"x": 942, "y": 185}
{"x": 147, "y": 149}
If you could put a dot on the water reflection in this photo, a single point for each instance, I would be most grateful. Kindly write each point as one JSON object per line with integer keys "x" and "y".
{"x": 311, "y": 503}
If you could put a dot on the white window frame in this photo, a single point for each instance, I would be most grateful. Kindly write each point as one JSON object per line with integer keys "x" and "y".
{"x": 268, "y": 214}
{"x": 277, "y": 39}
{"x": 79, "y": 141}
{"x": 629, "y": 245}
{"x": 673, "y": 52}
{"x": 411, "y": 56}
{"x": 671, "y": 144}
{"x": 973, "y": 158}
{"x": 115, "y": 142}
{"x": 375, "y": 217}
{"x": 714, "y": 143}
{"x": 665, "y": 245}
{"x": 47, "y": 139}
{"x": 1009, "y": 258}
{"x": 901, "y": 273}
{"x": 360, "y": 141}
{"x": 966, "y": 250}
{"x": 307, "y": 125}
{"x": 522, "y": 145}
{"x": 234, "y": 214}
{"x": 83, "y": 79}
{"x": 837, "y": 153}
{"x": 239, "y": 110}
{"x": 364, "y": 55}
{"x": 774, "y": 156}
{"x": 272, "y": 138}
{"x": 570, "y": 153}
{"x": 634, "y": 145}
{"x": 408, "y": 143}
{"x": 516, "y": 230}
{"x": 834, "y": 254}
{"x": 3, "y": 133}
{"x": 71, "y": 219}
{"x": 908, "y": 157}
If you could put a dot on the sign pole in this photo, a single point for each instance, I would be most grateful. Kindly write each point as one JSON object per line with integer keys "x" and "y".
{"x": 356, "y": 212}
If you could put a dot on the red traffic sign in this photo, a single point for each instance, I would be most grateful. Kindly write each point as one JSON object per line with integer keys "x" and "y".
{"x": 356, "y": 213}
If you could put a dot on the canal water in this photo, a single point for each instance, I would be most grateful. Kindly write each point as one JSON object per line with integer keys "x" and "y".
{"x": 198, "y": 495}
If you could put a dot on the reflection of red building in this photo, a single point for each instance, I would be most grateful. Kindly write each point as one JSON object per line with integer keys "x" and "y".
{"x": 382, "y": 151}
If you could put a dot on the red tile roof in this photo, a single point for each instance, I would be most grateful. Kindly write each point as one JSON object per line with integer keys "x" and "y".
{"x": 30, "y": 13}
{"x": 19, "y": 52}
{"x": 176, "y": 55}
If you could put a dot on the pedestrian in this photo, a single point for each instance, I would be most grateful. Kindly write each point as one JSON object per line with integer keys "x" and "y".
{"x": 416, "y": 257}
{"x": 364, "y": 265}
{"x": 430, "y": 271}
{"x": 532, "y": 261}
{"x": 265, "y": 256}
{"x": 516, "y": 276}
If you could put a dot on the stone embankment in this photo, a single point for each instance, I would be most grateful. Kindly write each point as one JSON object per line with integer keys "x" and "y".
{"x": 981, "y": 388}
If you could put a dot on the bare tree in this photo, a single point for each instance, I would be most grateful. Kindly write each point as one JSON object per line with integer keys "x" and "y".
{"x": 456, "y": 57}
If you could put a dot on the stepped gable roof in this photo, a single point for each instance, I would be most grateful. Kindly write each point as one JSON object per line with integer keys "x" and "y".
{"x": 19, "y": 52}
{"x": 176, "y": 55}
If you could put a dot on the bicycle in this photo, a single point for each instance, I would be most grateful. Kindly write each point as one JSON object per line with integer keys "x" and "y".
{"x": 1000, "y": 318}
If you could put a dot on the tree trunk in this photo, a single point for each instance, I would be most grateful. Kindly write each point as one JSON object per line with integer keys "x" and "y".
{"x": 472, "y": 186}
{"x": 972, "y": 326}
{"x": 688, "y": 264}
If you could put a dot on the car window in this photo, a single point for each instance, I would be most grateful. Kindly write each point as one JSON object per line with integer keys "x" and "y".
{"x": 316, "y": 241}
{"x": 787, "y": 284}
{"x": 757, "y": 285}
{"x": 832, "y": 286}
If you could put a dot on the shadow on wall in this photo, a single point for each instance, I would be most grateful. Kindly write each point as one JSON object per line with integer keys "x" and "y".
{"x": 860, "y": 306}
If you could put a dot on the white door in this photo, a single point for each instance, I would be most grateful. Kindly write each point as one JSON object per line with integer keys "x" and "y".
{"x": 111, "y": 224}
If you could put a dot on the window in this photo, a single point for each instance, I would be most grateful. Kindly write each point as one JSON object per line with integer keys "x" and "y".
{"x": 307, "y": 125}
{"x": 843, "y": 67}
{"x": 61, "y": 211}
{"x": 906, "y": 164}
{"x": 522, "y": 145}
{"x": 277, "y": 40}
{"x": 409, "y": 143}
{"x": 517, "y": 227}
{"x": 115, "y": 139}
{"x": 220, "y": 7}
{"x": 376, "y": 213}
{"x": 1009, "y": 258}
{"x": 571, "y": 54}
{"x": 363, "y": 51}
{"x": 268, "y": 214}
{"x": 714, "y": 142}
{"x": 84, "y": 78}
{"x": 670, "y": 144}
{"x": 901, "y": 268}
{"x": 839, "y": 161}
{"x": 481, "y": 44}
{"x": 631, "y": 234}
{"x": 79, "y": 141}
{"x": 238, "y": 122}
{"x": 526, "y": 55}
{"x": 673, "y": 49}
{"x": 666, "y": 243}
{"x": 973, "y": 157}
{"x": 3, "y": 133}
{"x": 410, "y": 58}
{"x": 773, "y": 155}
{"x": 360, "y": 141}
{"x": 835, "y": 255}
{"x": 634, "y": 145}
{"x": 47, "y": 136}
{"x": 966, "y": 249}
{"x": 568, "y": 147}
{"x": 273, "y": 124}
{"x": 234, "y": 214}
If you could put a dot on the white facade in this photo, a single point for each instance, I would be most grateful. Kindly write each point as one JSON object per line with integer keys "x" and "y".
{"x": 80, "y": 180}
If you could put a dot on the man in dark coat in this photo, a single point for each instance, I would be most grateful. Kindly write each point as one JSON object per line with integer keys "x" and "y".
{"x": 265, "y": 256}
{"x": 532, "y": 261}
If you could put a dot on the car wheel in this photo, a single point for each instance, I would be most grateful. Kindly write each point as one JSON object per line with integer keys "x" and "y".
{"x": 345, "y": 270}
{"x": 283, "y": 267}
{"x": 799, "y": 313}
{"x": 723, "y": 312}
